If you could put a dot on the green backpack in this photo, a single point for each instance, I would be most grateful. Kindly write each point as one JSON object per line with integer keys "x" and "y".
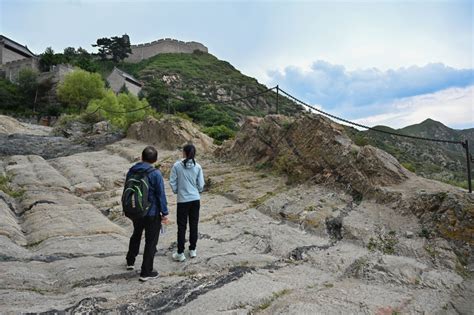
{"x": 135, "y": 202}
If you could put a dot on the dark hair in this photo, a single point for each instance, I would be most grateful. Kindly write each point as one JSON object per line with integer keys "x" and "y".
{"x": 190, "y": 151}
{"x": 149, "y": 154}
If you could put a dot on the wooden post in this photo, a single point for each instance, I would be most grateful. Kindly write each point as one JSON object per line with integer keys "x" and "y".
{"x": 468, "y": 160}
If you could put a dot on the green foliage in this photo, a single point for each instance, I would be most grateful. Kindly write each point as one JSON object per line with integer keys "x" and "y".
{"x": 69, "y": 54}
{"x": 409, "y": 167}
{"x": 157, "y": 95}
{"x": 184, "y": 116}
{"x": 360, "y": 140}
{"x": 11, "y": 97}
{"x": 84, "y": 60}
{"x": 121, "y": 110}
{"x": 425, "y": 233}
{"x": 6, "y": 187}
{"x": 108, "y": 107}
{"x": 287, "y": 164}
{"x": 190, "y": 103}
{"x": 134, "y": 107}
{"x": 48, "y": 59}
{"x": 209, "y": 115}
{"x": 79, "y": 88}
{"x": 118, "y": 48}
{"x": 203, "y": 70}
{"x": 263, "y": 166}
{"x": 462, "y": 184}
{"x": 28, "y": 84}
{"x": 219, "y": 133}
{"x": 80, "y": 58}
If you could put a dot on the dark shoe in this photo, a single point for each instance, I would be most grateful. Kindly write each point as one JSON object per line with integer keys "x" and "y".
{"x": 152, "y": 275}
{"x": 130, "y": 267}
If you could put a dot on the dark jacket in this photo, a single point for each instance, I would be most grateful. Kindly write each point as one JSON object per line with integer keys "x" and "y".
{"x": 156, "y": 195}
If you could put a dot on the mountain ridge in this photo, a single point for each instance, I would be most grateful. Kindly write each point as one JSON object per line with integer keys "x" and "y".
{"x": 435, "y": 160}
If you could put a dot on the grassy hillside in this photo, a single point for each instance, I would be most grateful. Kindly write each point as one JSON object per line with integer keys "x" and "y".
{"x": 209, "y": 80}
{"x": 441, "y": 161}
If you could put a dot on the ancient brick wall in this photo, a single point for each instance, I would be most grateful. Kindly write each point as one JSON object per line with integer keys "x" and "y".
{"x": 167, "y": 45}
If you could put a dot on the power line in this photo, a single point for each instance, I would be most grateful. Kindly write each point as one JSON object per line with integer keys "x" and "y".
{"x": 367, "y": 127}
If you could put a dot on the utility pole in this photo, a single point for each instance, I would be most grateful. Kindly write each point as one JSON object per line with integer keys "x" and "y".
{"x": 278, "y": 91}
{"x": 465, "y": 144}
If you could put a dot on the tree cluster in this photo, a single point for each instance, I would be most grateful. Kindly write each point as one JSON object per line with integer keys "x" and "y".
{"x": 85, "y": 92}
{"x": 80, "y": 58}
{"x": 115, "y": 48}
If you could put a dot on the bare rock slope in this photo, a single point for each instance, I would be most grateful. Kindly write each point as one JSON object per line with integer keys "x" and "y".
{"x": 170, "y": 132}
{"x": 314, "y": 147}
{"x": 265, "y": 246}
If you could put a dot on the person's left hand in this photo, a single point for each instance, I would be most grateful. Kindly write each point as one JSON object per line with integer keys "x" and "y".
{"x": 165, "y": 220}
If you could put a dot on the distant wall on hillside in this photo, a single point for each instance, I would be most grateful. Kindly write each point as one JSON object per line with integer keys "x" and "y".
{"x": 167, "y": 45}
{"x": 11, "y": 70}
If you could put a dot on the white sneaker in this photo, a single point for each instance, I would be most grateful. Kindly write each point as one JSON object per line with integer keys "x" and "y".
{"x": 179, "y": 257}
{"x": 130, "y": 267}
{"x": 192, "y": 253}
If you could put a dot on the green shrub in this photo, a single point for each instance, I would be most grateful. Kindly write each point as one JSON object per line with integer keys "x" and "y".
{"x": 109, "y": 108}
{"x": 80, "y": 87}
{"x": 219, "y": 133}
{"x": 360, "y": 140}
{"x": 11, "y": 97}
{"x": 133, "y": 106}
{"x": 209, "y": 115}
{"x": 6, "y": 187}
{"x": 409, "y": 167}
{"x": 184, "y": 116}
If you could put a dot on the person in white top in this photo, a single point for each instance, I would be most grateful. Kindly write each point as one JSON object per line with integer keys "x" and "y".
{"x": 187, "y": 181}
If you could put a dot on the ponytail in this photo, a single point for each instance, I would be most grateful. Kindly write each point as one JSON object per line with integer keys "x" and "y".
{"x": 190, "y": 152}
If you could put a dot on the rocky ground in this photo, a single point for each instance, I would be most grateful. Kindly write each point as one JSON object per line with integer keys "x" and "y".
{"x": 265, "y": 246}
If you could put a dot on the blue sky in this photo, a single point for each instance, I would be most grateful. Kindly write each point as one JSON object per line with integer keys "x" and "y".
{"x": 377, "y": 62}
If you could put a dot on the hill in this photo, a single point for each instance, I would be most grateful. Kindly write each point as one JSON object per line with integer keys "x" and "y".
{"x": 441, "y": 161}
{"x": 204, "y": 78}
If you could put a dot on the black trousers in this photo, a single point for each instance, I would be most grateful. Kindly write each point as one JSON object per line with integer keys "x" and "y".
{"x": 152, "y": 226}
{"x": 185, "y": 211}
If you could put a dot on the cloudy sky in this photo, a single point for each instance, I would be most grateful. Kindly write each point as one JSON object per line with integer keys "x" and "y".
{"x": 377, "y": 62}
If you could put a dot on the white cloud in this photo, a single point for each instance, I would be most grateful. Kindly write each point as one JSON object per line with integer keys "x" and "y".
{"x": 453, "y": 107}
{"x": 334, "y": 86}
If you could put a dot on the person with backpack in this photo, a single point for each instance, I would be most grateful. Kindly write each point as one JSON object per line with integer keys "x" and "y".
{"x": 187, "y": 181}
{"x": 144, "y": 202}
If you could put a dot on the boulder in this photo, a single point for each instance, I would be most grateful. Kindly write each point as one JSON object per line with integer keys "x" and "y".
{"x": 314, "y": 147}
{"x": 9, "y": 125}
{"x": 100, "y": 127}
{"x": 170, "y": 133}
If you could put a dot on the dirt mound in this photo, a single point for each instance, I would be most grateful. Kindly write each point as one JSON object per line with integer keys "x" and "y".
{"x": 314, "y": 147}
{"x": 169, "y": 133}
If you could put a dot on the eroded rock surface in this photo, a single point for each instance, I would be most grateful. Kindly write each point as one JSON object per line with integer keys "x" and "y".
{"x": 264, "y": 246}
{"x": 17, "y": 138}
{"x": 170, "y": 132}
